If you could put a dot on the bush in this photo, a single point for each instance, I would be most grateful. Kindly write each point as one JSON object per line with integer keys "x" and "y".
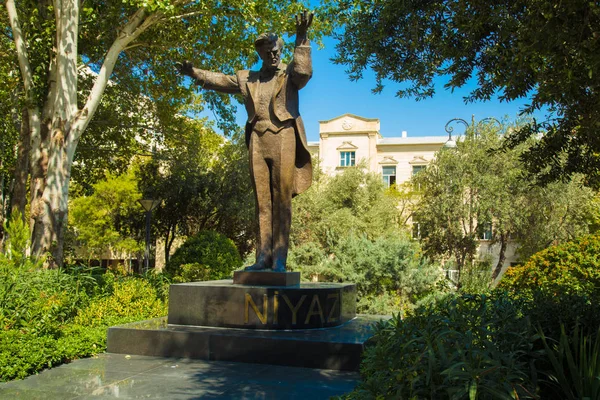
{"x": 23, "y": 354}
{"x": 207, "y": 255}
{"x": 390, "y": 273}
{"x": 575, "y": 363}
{"x": 569, "y": 268}
{"x": 192, "y": 273}
{"x": 48, "y": 317}
{"x": 132, "y": 299}
{"x": 463, "y": 347}
{"x": 485, "y": 347}
{"x": 38, "y": 300}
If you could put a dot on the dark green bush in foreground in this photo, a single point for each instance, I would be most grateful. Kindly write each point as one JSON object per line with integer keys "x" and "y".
{"x": 536, "y": 336}
{"x": 475, "y": 347}
{"x": 207, "y": 255}
{"x": 462, "y": 347}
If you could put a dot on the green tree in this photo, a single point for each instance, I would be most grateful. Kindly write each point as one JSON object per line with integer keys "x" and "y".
{"x": 204, "y": 184}
{"x": 108, "y": 219}
{"x": 349, "y": 228}
{"x": 353, "y": 201}
{"x": 9, "y": 139}
{"x": 133, "y": 43}
{"x": 544, "y": 50}
{"x": 557, "y": 213}
{"x": 474, "y": 187}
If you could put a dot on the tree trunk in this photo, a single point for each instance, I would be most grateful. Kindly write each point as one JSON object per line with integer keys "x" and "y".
{"x": 52, "y": 222}
{"x": 501, "y": 256}
{"x": 56, "y": 129}
{"x": 169, "y": 243}
{"x": 19, "y": 190}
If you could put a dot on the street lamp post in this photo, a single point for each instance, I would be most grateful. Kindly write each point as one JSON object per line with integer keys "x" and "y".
{"x": 451, "y": 143}
{"x": 148, "y": 205}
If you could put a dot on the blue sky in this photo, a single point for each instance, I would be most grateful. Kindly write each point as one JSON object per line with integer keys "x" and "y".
{"x": 330, "y": 93}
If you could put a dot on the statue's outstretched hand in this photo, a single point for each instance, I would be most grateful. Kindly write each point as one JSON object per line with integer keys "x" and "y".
{"x": 185, "y": 68}
{"x": 303, "y": 22}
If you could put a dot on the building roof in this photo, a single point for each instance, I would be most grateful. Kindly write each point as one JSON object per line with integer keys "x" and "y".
{"x": 413, "y": 140}
{"x": 352, "y": 116}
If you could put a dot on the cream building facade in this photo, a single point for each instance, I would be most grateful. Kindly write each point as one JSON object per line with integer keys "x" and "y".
{"x": 349, "y": 139}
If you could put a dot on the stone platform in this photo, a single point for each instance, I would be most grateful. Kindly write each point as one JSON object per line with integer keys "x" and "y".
{"x": 312, "y": 325}
{"x": 337, "y": 348}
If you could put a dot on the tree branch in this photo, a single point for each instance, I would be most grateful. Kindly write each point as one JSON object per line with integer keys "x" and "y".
{"x": 137, "y": 24}
{"x": 186, "y": 15}
{"x": 22, "y": 55}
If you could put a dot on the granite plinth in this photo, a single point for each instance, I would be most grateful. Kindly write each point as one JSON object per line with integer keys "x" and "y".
{"x": 224, "y": 304}
{"x": 266, "y": 278}
{"x": 337, "y": 348}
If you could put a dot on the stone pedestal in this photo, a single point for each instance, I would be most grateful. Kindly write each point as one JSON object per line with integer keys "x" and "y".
{"x": 310, "y": 325}
{"x": 224, "y": 304}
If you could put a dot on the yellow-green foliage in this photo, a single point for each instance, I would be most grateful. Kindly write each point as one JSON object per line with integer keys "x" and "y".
{"x": 48, "y": 317}
{"x": 569, "y": 268}
{"x": 192, "y": 272}
{"x": 131, "y": 299}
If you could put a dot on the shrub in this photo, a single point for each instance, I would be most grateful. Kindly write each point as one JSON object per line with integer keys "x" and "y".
{"x": 192, "y": 272}
{"x": 132, "y": 299}
{"x": 575, "y": 363}
{"x": 476, "y": 277}
{"x": 17, "y": 233}
{"x": 48, "y": 317}
{"x": 389, "y": 271}
{"x": 469, "y": 346}
{"x": 492, "y": 346}
{"x": 23, "y": 354}
{"x": 38, "y": 300}
{"x": 569, "y": 268}
{"x": 205, "y": 250}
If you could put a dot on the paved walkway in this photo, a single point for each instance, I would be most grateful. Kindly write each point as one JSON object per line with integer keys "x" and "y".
{"x": 127, "y": 377}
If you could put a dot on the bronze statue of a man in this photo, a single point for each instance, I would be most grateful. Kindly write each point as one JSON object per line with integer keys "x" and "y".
{"x": 280, "y": 164}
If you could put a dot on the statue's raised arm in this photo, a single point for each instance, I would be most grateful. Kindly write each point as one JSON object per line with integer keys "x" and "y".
{"x": 303, "y": 22}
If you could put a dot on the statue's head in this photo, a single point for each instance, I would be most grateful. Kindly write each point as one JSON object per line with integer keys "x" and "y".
{"x": 268, "y": 46}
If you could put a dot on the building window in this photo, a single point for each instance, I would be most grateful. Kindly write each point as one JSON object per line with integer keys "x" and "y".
{"x": 389, "y": 175}
{"x": 485, "y": 231}
{"x": 347, "y": 158}
{"x": 418, "y": 168}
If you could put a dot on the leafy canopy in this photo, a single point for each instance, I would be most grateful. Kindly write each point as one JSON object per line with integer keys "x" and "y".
{"x": 474, "y": 187}
{"x": 543, "y": 50}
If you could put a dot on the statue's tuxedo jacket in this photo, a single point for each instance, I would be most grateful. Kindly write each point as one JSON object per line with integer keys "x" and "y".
{"x": 284, "y": 104}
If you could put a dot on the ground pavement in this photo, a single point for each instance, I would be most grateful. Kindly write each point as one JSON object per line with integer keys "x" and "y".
{"x": 130, "y": 377}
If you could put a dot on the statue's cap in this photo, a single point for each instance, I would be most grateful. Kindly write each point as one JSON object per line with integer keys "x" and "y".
{"x": 268, "y": 38}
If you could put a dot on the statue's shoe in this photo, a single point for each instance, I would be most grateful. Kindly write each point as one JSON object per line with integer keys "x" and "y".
{"x": 257, "y": 267}
{"x": 279, "y": 266}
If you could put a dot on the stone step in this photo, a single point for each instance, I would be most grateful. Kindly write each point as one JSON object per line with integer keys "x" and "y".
{"x": 337, "y": 348}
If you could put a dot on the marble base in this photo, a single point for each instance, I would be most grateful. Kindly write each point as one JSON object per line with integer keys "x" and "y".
{"x": 337, "y": 348}
{"x": 225, "y": 304}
